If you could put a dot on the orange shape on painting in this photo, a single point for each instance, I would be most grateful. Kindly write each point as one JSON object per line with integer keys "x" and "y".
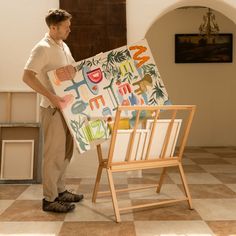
{"x": 137, "y": 57}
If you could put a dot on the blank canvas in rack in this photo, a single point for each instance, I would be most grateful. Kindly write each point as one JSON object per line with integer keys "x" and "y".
{"x": 159, "y": 136}
{"x": 17, "y": 159}
{"x": 122, "y": 144}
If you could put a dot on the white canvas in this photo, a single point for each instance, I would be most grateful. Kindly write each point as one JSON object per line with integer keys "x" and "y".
{"x": 17, "y": 159}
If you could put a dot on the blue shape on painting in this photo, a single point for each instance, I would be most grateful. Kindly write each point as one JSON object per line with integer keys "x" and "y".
{"x": 133, "y": 99}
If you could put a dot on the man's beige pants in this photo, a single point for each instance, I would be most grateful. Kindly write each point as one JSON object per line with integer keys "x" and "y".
{"x": 58, "y": 150}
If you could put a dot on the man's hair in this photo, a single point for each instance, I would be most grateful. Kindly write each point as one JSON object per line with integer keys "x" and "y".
{"x": 56, "y": 16}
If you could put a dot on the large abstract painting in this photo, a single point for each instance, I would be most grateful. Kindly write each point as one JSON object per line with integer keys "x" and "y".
{"x": 123, "y": 76}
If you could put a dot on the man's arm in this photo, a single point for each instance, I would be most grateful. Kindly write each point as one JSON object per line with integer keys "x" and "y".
{"x": 29, "y": 77}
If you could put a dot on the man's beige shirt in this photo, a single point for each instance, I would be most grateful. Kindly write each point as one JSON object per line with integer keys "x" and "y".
{"x": 47, "y": 55}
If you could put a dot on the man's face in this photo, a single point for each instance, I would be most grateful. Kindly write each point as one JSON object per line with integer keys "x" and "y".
{"x": 62, "y": 30}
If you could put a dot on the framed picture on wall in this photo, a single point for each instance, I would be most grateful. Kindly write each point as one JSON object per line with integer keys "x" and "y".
{"x": 196, "y": 48}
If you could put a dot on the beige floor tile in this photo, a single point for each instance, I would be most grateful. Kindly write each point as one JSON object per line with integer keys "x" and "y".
{"x": 73, "y": 188}
{"x": 87, "y": 189}
{"x": 30, "y": 228}
{"x": 149, "y": 179}
{"x": 4, "y": 204}
{"x": 172, "y": 228}
{"x": 92, "y": 180}
{"x": 216, "y": 209}
{"x": 97, "y": 229}
{"x": 195, "y": 178}
{"x": 104, "y": 180}
{"x": 33, "y": 192}
{"x": 232, "y": 187}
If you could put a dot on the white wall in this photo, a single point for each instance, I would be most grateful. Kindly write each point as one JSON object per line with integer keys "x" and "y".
{"x": 22, "y": 25}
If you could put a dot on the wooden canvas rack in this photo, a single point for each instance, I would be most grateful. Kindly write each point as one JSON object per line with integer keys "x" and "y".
{"x": 151, "y": 146}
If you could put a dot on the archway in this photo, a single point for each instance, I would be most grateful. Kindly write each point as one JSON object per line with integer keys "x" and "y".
{"x": 209, "y": 86}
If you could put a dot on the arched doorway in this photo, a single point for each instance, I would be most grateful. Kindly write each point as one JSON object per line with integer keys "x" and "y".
{"x": 209, "y": 86}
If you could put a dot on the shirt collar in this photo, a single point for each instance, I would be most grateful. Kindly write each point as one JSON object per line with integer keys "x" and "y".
{"x": 51, "y": 40}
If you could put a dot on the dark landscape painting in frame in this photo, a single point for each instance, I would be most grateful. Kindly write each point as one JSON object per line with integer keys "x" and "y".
{"x": 196, "y": 48}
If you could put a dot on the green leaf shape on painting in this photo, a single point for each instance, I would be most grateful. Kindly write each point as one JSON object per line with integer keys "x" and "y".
{"x": 79, "y": 136}
{"x": 80, "y": 66}
{"x": 118, "y": 56}
{"x": 149, "y": 69}
{"x": 157, "y": 92}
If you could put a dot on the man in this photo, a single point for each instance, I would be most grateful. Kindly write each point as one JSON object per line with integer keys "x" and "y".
{"x": 49, "y": 54}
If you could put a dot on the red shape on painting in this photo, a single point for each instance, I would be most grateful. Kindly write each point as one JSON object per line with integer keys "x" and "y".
{"x": 95, "y": 75}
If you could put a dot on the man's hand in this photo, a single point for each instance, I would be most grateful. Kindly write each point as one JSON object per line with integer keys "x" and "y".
{"x": 56, "y": 100}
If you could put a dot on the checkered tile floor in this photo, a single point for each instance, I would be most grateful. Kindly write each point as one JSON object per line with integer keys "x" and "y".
{"x": 211, "y": 175}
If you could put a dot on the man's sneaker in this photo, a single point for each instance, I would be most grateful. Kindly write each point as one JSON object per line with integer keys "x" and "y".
{"x": 58, "y": 206}
{"x": 67, "y": 196}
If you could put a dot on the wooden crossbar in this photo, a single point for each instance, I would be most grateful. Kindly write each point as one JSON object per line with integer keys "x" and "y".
{"x": 153, "y": 204}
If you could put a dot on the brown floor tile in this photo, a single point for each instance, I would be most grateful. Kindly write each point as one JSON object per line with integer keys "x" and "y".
{"x": 221, "y": 150}
{"x": 223, "y": 228}
{"x": 11, "y": 191}
{"x": 227, "y": 155}
{"x": 226, "y": 178}
{"x": 201, "y": 191}
{"x": 177, "y": 211}
{"x": 193, "y": 149}
{"x": 187, "y": 169}
{"x": 97, "y": 229}
{"x": 219, "y": 147}
{"x": 152, "y": 171}
{"x": 209, "y": 161}
{"x": 29, "y": 210}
